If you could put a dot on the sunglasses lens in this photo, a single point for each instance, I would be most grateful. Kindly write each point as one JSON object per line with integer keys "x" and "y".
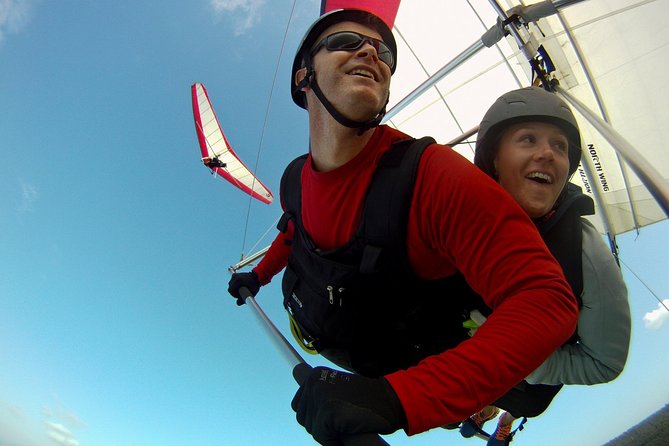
{"x": 344, "y": 41}
{"x": 349, "y": 41}
{"x": 384, "y": 54}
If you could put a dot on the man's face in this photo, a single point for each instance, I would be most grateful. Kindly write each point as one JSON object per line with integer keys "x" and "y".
{"x": 356, "y": 82}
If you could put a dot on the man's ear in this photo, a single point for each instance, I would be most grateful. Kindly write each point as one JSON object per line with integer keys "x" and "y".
{"x": 299, "y": 76}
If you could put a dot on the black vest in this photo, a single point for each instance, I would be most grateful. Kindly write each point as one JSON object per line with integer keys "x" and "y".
{"x": 363, "y": 298}
{"x": 563, "y": 234}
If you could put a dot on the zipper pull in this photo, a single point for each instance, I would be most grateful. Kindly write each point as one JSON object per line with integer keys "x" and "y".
{"x": 331, "y": 296}
{"x": 341, "y": 290}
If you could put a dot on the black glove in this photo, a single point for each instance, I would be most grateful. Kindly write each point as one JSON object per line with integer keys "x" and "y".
{"x": 239, "y": 280}
{"x": 332, "y": 405}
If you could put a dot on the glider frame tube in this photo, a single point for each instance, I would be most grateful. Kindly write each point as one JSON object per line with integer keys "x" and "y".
{"x": 648, "y": 175}
{"x": 295, "y": 360}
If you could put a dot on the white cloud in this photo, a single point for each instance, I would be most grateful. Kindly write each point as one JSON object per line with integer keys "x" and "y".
{"x": 61, "y": 435}
{"x": 246, "y": 12}
{"x": 13, "y": 16}
{"x": 62, "y": 412}
{"x": 654, "y": 319}
{"x": 29, "y": 195}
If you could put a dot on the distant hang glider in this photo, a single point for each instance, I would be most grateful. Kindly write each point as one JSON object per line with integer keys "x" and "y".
{"x": 217, "y": 154}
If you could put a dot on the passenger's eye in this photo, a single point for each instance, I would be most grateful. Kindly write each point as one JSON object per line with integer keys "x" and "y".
{"x": 562, "y": 146}
{"x": 527, "y": 138}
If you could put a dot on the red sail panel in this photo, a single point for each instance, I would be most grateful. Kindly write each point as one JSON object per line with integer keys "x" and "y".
{"x": 385, "y": 9}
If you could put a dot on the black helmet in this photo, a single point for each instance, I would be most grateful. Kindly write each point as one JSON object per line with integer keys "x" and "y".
{"x": 327, "y": 20}
{"x": 525, "y": 104}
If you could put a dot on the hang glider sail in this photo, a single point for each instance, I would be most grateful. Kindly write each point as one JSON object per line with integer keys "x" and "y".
{"x": 217, "y": 154}
{"x": 599, "y": 51}
{"x": 610, "y": 69}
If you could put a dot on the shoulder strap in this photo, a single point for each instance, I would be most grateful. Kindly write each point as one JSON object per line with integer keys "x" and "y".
{"x": 386, "y": 208}
{"x": 573, "y": 200}
{"x": 563, "y": 234}
{"x": 290, "y": 191}
{"x": 386, "y": 211}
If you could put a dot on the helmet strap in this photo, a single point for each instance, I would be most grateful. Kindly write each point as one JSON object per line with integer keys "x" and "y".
{"x": 309, "y": 80}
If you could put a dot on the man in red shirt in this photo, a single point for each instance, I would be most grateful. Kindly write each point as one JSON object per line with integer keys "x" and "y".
{"x": 460, "y": 223}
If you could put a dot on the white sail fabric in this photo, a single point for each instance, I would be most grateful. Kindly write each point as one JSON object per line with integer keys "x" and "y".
{"x": 623, "y": 45}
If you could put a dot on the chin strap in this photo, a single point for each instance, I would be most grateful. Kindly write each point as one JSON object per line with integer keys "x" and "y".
{"x": 309, "y": 80}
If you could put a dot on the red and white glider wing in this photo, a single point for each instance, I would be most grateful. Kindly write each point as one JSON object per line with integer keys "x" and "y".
{"x": 216, "y": 151}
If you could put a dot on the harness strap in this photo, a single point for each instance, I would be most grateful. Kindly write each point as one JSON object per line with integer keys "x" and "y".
{"x": 386, "y": 212}
{"x": 563, "y": 234}
{"x": 305, "y": 341}
{"x": 519, "y": 428}
{"x": 484, "y": 435}
{"x": 291, "y": 192}
{"x": 384, "y": 218}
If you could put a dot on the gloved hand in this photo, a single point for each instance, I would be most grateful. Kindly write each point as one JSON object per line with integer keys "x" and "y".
{"x": 239, "y": 280}
{"x": 332, "y": 404}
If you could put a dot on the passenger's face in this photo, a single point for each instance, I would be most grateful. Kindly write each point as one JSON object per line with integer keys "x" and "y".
{"x": 355, "y": 82}
{"x": 532, "y": 164}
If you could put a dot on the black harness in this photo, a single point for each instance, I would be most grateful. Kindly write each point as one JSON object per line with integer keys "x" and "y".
{"x": 565, "y": 240}
{"x": 363, "y": 300}
{"x": 563, "y": 234}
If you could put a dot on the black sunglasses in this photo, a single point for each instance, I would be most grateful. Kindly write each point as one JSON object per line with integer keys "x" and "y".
{"x": 350, "y": 41}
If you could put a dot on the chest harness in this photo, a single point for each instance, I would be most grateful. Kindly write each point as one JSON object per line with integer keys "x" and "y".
{"x": 361, "y": 305}
{"x": 563, "y": 234}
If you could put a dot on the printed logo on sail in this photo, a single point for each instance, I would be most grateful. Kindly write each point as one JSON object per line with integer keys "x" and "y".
{"x": 584, "y": 179}
{"x": 598, "y": 168}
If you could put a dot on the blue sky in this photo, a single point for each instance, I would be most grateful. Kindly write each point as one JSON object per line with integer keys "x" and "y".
{"x": 115, "y": 325}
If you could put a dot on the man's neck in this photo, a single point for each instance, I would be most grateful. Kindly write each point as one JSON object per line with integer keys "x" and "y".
{"x": 332, "y": 144}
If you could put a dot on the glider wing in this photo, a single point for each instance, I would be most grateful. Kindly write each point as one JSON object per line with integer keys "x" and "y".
{"x": 217, "y": 154}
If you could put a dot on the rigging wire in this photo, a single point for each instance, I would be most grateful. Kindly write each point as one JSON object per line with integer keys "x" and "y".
{"x": 499, "y": 51}
{"x": 644, "y": 284}
{"x": 427, "y": 73}
{"x": 264, "y": 126}
{"x": 262, "y": 237}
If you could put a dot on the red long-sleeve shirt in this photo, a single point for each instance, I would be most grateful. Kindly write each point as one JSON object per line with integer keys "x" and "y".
{"x": 459, "y": 220}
